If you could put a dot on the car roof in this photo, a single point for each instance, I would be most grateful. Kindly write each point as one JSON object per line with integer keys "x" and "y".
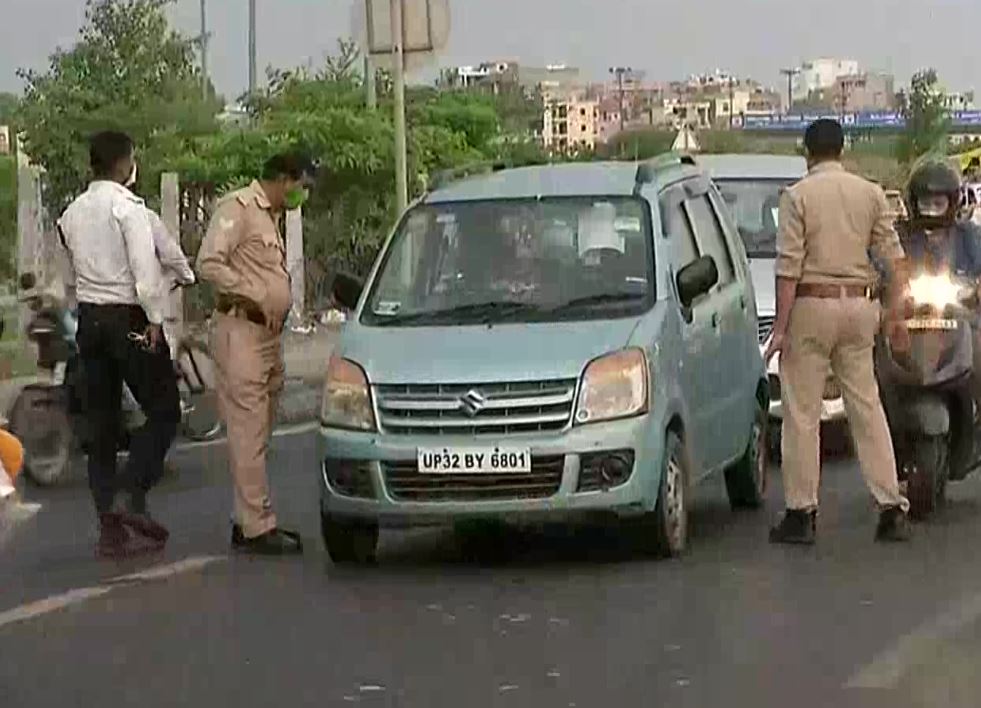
{"x": 570, "y": 179}
{"x": 753, "y": 166}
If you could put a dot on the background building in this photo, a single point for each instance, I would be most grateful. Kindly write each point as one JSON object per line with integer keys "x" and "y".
{"x": 570, "y": 124}
{"x": 864, "y": 92}
{"x": 820, "y": 75}
{"x": 503, "y": 76}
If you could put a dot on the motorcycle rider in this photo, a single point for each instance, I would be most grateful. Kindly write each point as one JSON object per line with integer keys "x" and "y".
{"x": 941, "y": 241}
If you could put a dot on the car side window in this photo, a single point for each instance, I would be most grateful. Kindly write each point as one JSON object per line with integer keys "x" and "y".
{"x": 678, "y": 227}
{"x": 711, "y": 239}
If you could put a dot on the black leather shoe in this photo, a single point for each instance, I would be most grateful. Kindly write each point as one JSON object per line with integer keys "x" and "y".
{"x": 796, "y": 528}
{"x": 276, "y": 542}
{"x": 894, "y": 526}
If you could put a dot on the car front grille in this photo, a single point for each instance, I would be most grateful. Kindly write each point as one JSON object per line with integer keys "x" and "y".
{"x": 479, "y": 409}
{"x": 404, "y": 483}
{"x": 764, "y": 327}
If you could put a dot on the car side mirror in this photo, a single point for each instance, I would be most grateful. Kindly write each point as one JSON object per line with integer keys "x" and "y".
{"x": 347, "y": 290}
{"x": 696, "y": 279}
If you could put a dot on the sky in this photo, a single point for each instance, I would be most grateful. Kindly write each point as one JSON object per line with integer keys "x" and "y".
{"x": 666, "y": 39}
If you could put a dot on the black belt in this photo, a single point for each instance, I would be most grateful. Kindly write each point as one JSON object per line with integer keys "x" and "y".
{"x": 243, "y": 313}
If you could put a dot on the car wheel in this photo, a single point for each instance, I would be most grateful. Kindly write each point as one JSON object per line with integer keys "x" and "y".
{"x": 746, "y": 480}
{"x": 665, "y": 532}
{"x": 349, "y": 541}
{"x": 774, "y": 444}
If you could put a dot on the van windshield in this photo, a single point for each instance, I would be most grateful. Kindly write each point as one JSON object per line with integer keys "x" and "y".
{"x": 516, "y": 260}
{"x": 755, "y": 204}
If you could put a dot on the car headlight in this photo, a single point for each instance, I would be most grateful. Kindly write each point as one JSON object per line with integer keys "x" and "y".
{"x": 347, "y": 399}
{"x": 614, "y": 386}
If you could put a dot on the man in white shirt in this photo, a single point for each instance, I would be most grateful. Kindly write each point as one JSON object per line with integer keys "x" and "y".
{"x": 122, "y": 300}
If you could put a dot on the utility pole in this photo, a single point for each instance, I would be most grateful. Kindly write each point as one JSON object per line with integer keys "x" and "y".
{"x": 790, "y": 74}
{"x": 371, "y": 91}
{"x": 252, "y": 72}
{"x": 619, "y": 72}
{"x": 398, "y": 74}
{"x": 203, "y": 40}
{"x": 732, "y": 100}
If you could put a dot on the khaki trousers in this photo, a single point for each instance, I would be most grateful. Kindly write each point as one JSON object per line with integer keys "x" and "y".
{"x": 249, "y": 376}
{"x": 840, "y": 332}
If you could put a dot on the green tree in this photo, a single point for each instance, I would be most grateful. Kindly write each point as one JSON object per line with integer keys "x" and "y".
{"x": 927, "y": 122}
{"x": 8, "y": 107}
{"x": 128, "y": 71}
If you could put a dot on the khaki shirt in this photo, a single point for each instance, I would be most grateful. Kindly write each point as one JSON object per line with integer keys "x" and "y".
{"x": 829, "y": 223}
{"x": 243, "y": 254}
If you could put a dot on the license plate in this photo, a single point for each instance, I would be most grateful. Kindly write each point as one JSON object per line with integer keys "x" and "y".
{"x": 931, "y": 324}
{"x": 474, "y": 460}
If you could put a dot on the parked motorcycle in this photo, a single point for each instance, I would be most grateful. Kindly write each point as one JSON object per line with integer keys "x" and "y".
{"x": 926, "y": 389}
{"x": 48, "y": 416}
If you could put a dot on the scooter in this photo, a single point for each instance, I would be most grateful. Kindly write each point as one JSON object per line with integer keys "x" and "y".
{"x": 926, "y": 390}
{"x": 48, "y": 416}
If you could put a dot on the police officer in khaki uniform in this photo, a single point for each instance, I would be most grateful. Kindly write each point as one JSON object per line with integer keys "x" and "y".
{"x": 244, "y": 256}
{"x": 829, "y": 223}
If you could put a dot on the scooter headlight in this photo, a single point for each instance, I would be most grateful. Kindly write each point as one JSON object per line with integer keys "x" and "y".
{"x": 937, "y": 291}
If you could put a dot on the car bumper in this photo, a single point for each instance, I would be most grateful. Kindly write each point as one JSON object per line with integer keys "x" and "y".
{"x": 374, "y": 453}
{"x": 830, "y": 410}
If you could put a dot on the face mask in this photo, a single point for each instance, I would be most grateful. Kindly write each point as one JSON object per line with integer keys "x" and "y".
{"x": 131, "y": 180}
{"x": 295, "y": 198}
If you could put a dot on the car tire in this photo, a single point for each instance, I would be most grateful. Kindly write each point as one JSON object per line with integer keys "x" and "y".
{"x": 746, "y": 481}
{"x": 349, "y": 542}
{"x": 665, "y": 530}
{"x": 774, "y": 446}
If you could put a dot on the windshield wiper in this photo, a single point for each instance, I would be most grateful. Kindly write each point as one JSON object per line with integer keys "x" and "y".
{"x": 601, "y": 299}
{"x": 483, "y": 311}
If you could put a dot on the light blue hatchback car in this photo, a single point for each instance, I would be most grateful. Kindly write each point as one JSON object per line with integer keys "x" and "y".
{"x": 544, "y": 344}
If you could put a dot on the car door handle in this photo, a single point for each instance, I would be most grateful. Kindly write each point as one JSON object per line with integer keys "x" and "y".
{"x": 715, "y": 320}
{"x": 742, "y": 302}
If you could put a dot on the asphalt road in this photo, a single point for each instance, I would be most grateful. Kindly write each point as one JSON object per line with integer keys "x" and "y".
{"x": 566, "y": 620}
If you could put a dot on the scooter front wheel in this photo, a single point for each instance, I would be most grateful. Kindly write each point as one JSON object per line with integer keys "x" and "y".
{"x": 927, "y": 476}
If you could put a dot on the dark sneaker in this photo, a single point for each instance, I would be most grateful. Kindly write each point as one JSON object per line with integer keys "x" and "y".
{"x": 116, "y": 542}
{"x": 894, "y": 526}
{"x": 146, "y": 526}
{"x": 134, "y": 516}
{"x": 277, "y": 542}
{"x": 796, "y": 528}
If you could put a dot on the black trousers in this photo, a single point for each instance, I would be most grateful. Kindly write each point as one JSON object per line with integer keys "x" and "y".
{"x": 109, "y": 356}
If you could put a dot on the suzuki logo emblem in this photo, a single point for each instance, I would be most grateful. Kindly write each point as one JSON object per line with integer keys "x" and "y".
{"x": 472, "y": 402}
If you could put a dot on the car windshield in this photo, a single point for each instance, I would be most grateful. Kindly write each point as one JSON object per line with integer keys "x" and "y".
{"x": 516, "y": 260}
{"x": 755, "y": 204}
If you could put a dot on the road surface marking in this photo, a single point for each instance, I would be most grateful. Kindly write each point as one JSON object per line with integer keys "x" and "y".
{"x": 888, "y": 668}
{"x": 50, "y": 604}
{"x": 77, "y": 596}
{"x": 166, "y": 571}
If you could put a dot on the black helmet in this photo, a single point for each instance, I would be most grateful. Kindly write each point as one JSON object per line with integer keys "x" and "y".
{"x": 934, "y": 179}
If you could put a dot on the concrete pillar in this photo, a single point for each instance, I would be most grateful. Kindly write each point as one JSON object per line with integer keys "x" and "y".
{"x": 170, "y": 214}
{"x": 294, "y": 263}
